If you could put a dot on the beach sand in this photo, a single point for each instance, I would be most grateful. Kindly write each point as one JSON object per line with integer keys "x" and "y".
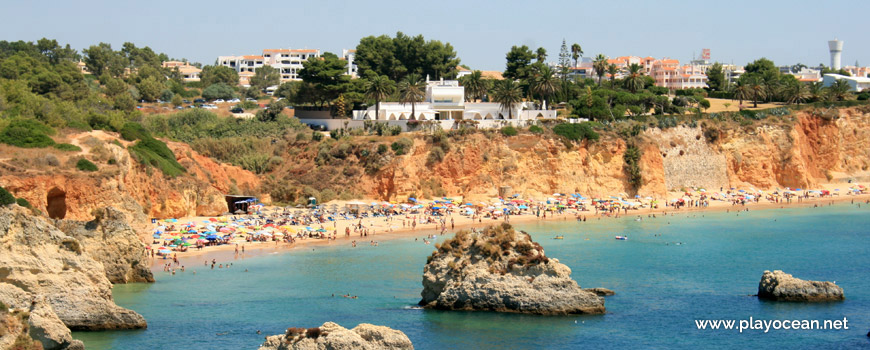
{"x": 386, "y": 230}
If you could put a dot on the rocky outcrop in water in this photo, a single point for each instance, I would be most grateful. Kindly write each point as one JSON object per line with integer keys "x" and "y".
{"x": 110, "y": 240}
{"x": 502, "y": 270}
{"x": 334, "y": 337}
{"x": 55, "y": 269}
{"x": 780, "y": 286}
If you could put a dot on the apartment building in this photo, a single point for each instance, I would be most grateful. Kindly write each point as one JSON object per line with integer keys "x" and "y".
{"x": 288, "y": 62}
{"x": 188, "y": 72}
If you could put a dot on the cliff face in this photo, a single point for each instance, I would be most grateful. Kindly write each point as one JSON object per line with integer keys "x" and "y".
{"x": 140, "y": 192}
{"x": 502, "y": 270}
{"x": 804, "y": 152}
{"x": 110, "y": 240}
{"x": 51, "y": 267}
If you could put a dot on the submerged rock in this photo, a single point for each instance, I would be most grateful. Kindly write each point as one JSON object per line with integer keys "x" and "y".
{"x": 54, "y": 269}
{"x": 332, "y": 336}
{"x": 502, "y": 270}
{"x": 780, "y": 286}
{"x": 602, "y": 292}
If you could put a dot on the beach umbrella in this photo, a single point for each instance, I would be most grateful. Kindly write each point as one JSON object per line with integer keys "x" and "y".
{"x": 171, "y": 220}
{"x": 164, "y": 251}
{"x": 211, "y": 237}
{"x": 741, "y": 191}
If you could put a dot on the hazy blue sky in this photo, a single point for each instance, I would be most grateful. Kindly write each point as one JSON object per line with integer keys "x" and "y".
{"x": 481, "y": 31}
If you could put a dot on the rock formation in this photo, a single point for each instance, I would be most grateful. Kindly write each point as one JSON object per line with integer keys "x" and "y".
{"x": 502, "y": 270}
{"x": 50, "y": 267}
{"x": 41, "y": 323}
{"x": 110, "y": 240}
{"x": 602, "y": 292}
{"x": 780, "y": 286}
{"x": 332, "y": 336}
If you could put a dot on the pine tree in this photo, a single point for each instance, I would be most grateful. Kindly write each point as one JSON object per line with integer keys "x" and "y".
{"x": 564, "y": 60}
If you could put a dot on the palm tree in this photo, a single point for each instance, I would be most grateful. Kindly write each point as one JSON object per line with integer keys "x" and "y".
{"x": 379, "y": 88}
{"x": 634, "y": 80}
{"x": 840, "y": 90}
{"x": 474, "y": 85}
{"x": 545, "y": 83}
{"x": 576, "y": 52}
{"x": 612, "y": 70}
{"x": 758, "y": 91}
{"x": 600, "y": 66}
{"x": 816, "y": 91}
{"x": 508, "y": 93}
{"x": 541, "y": 54}
{"x": 412, "y": 90}
{"x": 797, "y": 93}
{"x": 741, "y": 92}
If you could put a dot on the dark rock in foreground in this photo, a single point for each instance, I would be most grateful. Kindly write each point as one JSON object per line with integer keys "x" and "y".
{"x": 332, "y": 336}
{"x": 780, "y": 286}
{"x": 502, "y": 270}
{"x": 602, "y": 292}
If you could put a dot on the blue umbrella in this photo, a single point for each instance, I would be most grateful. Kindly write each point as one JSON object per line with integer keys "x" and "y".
{"x": 741, "y": 191}
{"x": 413, "y": 199}
{"x": 211, "y": 237}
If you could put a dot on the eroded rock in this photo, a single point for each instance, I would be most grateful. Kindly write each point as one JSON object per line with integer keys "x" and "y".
{"x": 780, "y": 286}
{"x": 332, "y": 336}
{"x": 502, "y": 270}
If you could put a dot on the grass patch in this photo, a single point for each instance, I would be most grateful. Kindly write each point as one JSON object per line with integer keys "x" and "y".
{"x": 68, "y": 147}
{"x": 153, "y": 152}
{"x": 27, "y": 133}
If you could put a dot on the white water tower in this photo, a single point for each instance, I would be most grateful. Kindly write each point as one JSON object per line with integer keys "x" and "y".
{"x": 836, "y": 47}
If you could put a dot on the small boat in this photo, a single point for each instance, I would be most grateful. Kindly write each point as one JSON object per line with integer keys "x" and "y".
{"x": 621, "y": 238}
{"x": 559, "y": 237}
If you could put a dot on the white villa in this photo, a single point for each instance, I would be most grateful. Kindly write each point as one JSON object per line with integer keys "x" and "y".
{"x": 445, "y": 100}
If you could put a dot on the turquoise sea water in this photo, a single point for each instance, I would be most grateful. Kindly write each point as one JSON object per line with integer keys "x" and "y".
{"x": 661, "y": 288}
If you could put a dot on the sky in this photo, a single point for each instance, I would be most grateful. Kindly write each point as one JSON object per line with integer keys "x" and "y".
{"x": 481, "y": 32}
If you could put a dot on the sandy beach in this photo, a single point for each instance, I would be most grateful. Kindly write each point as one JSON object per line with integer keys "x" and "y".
{"x": 385, "y": 228}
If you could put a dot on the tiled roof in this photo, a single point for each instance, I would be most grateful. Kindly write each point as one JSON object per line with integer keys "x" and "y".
{"x": 252, "y": 57}
{"x": 492, "y": 74}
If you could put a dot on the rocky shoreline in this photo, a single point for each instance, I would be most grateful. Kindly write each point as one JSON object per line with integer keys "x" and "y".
{"x": 499, "y": 269}
{"x": 332, "y": 336}
{"x": 64, "y": 280}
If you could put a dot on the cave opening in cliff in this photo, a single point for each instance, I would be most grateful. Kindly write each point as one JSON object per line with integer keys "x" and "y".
{"x": 56, "y": 203}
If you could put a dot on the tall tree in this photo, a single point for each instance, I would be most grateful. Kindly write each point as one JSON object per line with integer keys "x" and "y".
{"x": 264, "y": 77}
{"x": 797, "y": 93}
{"x": 741, "y": 92}
{"x": 612, "y": 70}
{"x": 757, "y": 90}
{"x": 102, "y": 59}
{"x": 218, "y": 74}
{"x": 634, "y": 81}
{"x": 326, "y": 76}
{"x": 564, "y": 60}
{"x": 379, "y": 88}
{"x": 716, "y": 77}
{"x": 519, "y": 58}
{"x": 576, "y": 52}
{"x": 402, "y": 55}
{"x": 544, "y": 84}
{"x": 600, "y": 66}
{"x": 508, "y": 93}
{"x": 541, "y": 54}
{"x": 412, "y": 90}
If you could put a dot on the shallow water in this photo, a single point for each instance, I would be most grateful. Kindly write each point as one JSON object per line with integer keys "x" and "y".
{"x": 661, "y": 288}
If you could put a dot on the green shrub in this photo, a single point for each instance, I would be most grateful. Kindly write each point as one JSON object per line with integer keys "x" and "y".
{"x": 151, "y": 151}
{"x": 219, "y": 90}
{"x": 86, "y": 165}
{"x": 134, "y": 131}
{"x": 23, "y": 202}
{"x": 316, "y": 136}
{"x": 68, "y": 147}
{"x": 6, "y": 198}
{"x": 536, "y": 129}
{"x": 576, "y": 132}
{"x": 436, "y": 155}
{"x": 402, "y": 146}
{"x": 27, "y": 133}
{"x": 509, "y": 131}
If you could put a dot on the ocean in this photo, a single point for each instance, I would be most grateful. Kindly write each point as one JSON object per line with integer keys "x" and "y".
{"x": 671, "y": 272}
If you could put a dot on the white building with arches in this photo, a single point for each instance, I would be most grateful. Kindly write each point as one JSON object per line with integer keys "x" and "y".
{"x": 445, "y": 100}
